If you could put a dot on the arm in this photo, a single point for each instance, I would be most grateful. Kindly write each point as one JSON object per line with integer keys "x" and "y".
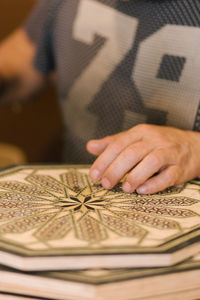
{"x": 19, "y": 79}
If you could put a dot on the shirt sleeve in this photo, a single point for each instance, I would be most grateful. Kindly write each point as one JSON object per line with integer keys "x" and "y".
{"x": 39, "y": 29}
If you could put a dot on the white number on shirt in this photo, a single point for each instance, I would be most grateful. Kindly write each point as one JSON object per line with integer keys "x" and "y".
{"x": 166, "y": 95}
{"x": 94, "y": 18}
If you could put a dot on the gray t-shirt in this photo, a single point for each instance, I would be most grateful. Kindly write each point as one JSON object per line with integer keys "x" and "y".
{"x": 118, "y": 64}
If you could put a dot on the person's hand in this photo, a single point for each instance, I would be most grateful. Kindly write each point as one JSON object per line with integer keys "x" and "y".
{"x": 152, "y": 158}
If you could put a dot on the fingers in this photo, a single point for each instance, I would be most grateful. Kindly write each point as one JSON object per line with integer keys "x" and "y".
{"x": 140, "y": 157}
{"x": 160, "y": 182}
{"x": 150, "y": 165}
{"x": 111, "y": 151}
{"x": 137, "y": 155}
{"x": 124, "y": 162}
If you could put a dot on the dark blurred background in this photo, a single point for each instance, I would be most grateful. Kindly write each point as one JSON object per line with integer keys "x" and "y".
{"x": 35, "y": 127}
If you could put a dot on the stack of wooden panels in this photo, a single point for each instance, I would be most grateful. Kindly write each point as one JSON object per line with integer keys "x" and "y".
{"x": 64, "y": 237}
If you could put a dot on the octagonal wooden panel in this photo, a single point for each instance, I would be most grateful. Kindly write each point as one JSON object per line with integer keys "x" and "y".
{"x": 55, "y": 217}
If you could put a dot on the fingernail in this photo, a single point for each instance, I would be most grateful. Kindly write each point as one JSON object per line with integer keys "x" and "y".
{"x": 126, "y": 187}
{"x": 94, "y": 174}
{"x": 141, "y": 190}
{"x": 106, "y": 183}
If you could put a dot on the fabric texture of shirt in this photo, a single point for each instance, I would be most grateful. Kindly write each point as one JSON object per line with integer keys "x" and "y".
{"x": 119, "y": 64}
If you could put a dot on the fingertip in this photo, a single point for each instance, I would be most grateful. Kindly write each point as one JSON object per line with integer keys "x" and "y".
{"x": 95, "y": 147}
{"x": 106, "y": 183}
{"x": 94, "y": 174}
{"x": 91, "y": 145}
{"x": 142, "y": 190}
{"x": 127, "y": 187}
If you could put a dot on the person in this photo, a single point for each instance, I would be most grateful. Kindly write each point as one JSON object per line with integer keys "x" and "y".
{"x": 127, "y": 74}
